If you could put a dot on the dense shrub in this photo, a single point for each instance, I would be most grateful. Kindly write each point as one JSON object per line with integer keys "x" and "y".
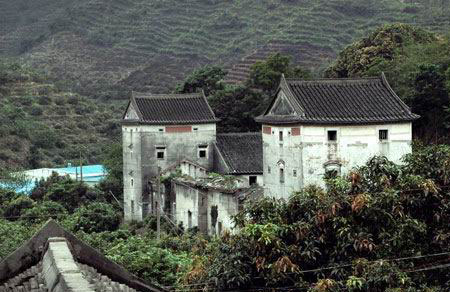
{"x": 97, "y": 217}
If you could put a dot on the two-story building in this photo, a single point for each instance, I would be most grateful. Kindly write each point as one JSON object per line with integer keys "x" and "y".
{"x": 330, "y": 125}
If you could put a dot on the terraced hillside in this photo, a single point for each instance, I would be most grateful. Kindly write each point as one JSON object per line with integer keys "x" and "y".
{"x": 151, "y": 45}
{"x": 306, "y": 55}
{"x": 43, "y": 126}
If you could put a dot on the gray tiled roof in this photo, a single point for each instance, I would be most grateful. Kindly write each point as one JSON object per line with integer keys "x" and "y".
{"x": 172, "y": 108}
{"x": 340, "y": 101}
{"x": 242, "y": 152}
{"x": 55, "y": 260}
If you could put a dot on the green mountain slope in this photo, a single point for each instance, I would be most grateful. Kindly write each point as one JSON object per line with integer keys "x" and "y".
{"x": 43, "y": 126}
{"x": 144, "y": 44}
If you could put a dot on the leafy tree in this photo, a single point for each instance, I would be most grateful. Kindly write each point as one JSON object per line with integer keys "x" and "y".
{"x": 113, "y": 163}
{"x": 237, "y": 107}
{"x": 12, "y": 235}
{"x": 266, "y": 74}
{"x": 207, "y": 78}
{"x": 373, "y": 214}
{"x": 17, "y": 207}
{"x": 96, "y": 217}
{"x": 42, "y": 211}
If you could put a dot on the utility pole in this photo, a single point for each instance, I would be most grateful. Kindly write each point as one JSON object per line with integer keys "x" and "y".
{"x": 81, "y": 168}
{"x": 158, "y": 205}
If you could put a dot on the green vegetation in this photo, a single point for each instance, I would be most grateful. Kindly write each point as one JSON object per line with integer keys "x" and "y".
{"x": 43, "y": 126}
{"x": 416, "y": 63}
{"x": 367, "y": 231}
{"x": 237, "y": 106}
{"x": 95, "y": 45}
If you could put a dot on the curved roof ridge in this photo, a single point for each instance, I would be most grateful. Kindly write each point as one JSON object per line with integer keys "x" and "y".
{"x": 333, "y": 80}
{"x": 138, "y": 94}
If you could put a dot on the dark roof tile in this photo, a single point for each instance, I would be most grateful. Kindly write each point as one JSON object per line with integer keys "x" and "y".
{"x": 341, "y": 101}
{"x": 242, "y": 152}
{"x": 172, "y": 108}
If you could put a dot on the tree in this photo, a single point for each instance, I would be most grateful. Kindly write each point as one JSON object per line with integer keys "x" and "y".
{"x": 113, "y": 163}
{"x": 265, "y": 75}
{"x": 237, "y": 106}
{"x": 96, "y": 217}
{"x": 207, "y": 78}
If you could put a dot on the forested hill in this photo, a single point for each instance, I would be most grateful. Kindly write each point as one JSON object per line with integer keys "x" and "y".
{"x": 153, "y": 44}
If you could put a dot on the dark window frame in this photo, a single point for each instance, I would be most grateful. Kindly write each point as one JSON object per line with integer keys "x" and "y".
{"x": 252, "y": 179}
{"x": 332, "y": 135}
{"x": 383, "y": 134}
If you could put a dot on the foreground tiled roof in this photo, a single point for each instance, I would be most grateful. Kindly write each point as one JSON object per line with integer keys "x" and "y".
{"x": 55, "y": 260}
{"x": 340, "y": 101}
{"x": 171, "y": 108}
{"x": 241, "y": 152}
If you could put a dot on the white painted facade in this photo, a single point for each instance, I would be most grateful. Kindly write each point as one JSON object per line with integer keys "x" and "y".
{"x": 304, "y": 158}
{"x": 193, "y": 207}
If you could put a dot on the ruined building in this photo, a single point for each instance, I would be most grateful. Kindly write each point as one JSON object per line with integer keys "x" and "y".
{"x": 310, "y": 129}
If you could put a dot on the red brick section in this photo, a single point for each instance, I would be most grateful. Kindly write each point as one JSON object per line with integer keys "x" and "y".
{"x": 179, "y": 129}
{"x": 295, "y": 131}
{"x": 267, "y": 130}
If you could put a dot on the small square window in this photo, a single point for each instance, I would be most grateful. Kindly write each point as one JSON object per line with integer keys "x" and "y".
{"x": 294, "y": 173}
{"x": 195, "y": 129}
{"x": 160, "y": 152}
{"x": 252, "y": 179}
{"x": 203, "y": 151}
{"x": 383, "y": 135}
{"x": 332, "y": 136}
{"x": 161, "y": 130}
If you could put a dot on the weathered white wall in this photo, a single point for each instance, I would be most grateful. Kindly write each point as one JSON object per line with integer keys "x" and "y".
{"x": 227, "y": 206}
{"x": 187, "y": 199}
{"x": 308, "y": 152}
{"x": 141, "y": 164}
{"x": 244, "y": 180}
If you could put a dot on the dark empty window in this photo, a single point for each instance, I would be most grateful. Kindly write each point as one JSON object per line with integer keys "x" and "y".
{"x": 189, "y": 219}
{"x": 202, "y": 151}
{"x": 383, "y": 135}
{"x": 332, "y": 135}
{"x": 281, "y": 175}
{"x": 252, "y": 179}
{"x": 281, "y": 136}
{"x": 160, "y": 152}
{"x": 294, "y": 173}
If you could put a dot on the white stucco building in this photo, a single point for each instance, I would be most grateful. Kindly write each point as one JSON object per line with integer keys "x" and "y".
{"x": 330, "y": 125}
{"x": 310, "y": 128}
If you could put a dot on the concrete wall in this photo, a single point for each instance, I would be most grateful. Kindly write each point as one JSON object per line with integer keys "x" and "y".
{"x": 140, "y": 160}
{"x": 309, "y": 153}
{"x": 189, "y": 201}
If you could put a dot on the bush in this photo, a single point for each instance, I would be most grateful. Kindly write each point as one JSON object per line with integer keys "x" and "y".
{"x": 43, "y": 211}
{"x": 97, "y": 217}
{"x": 36, "y": 110}
{"x": 17, "y": 207}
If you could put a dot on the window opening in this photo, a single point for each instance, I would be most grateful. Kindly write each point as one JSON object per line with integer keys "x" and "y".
{"x": 132, "y": 207}
{"x": 281, "y": 175}
{"x": 332, "y": 136}
{"x": 252, "y": 179}
{"x": 202, "y": 151}
{"x": 383, "y": 135}
{"x": 294, "y": 173}
{"x": 281, "y": 136}
{"x": 189, "y": 219}
{"x": 268, "y": 169}
{"x": 160, "y": 152}
{"x": 132, "y": 182}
